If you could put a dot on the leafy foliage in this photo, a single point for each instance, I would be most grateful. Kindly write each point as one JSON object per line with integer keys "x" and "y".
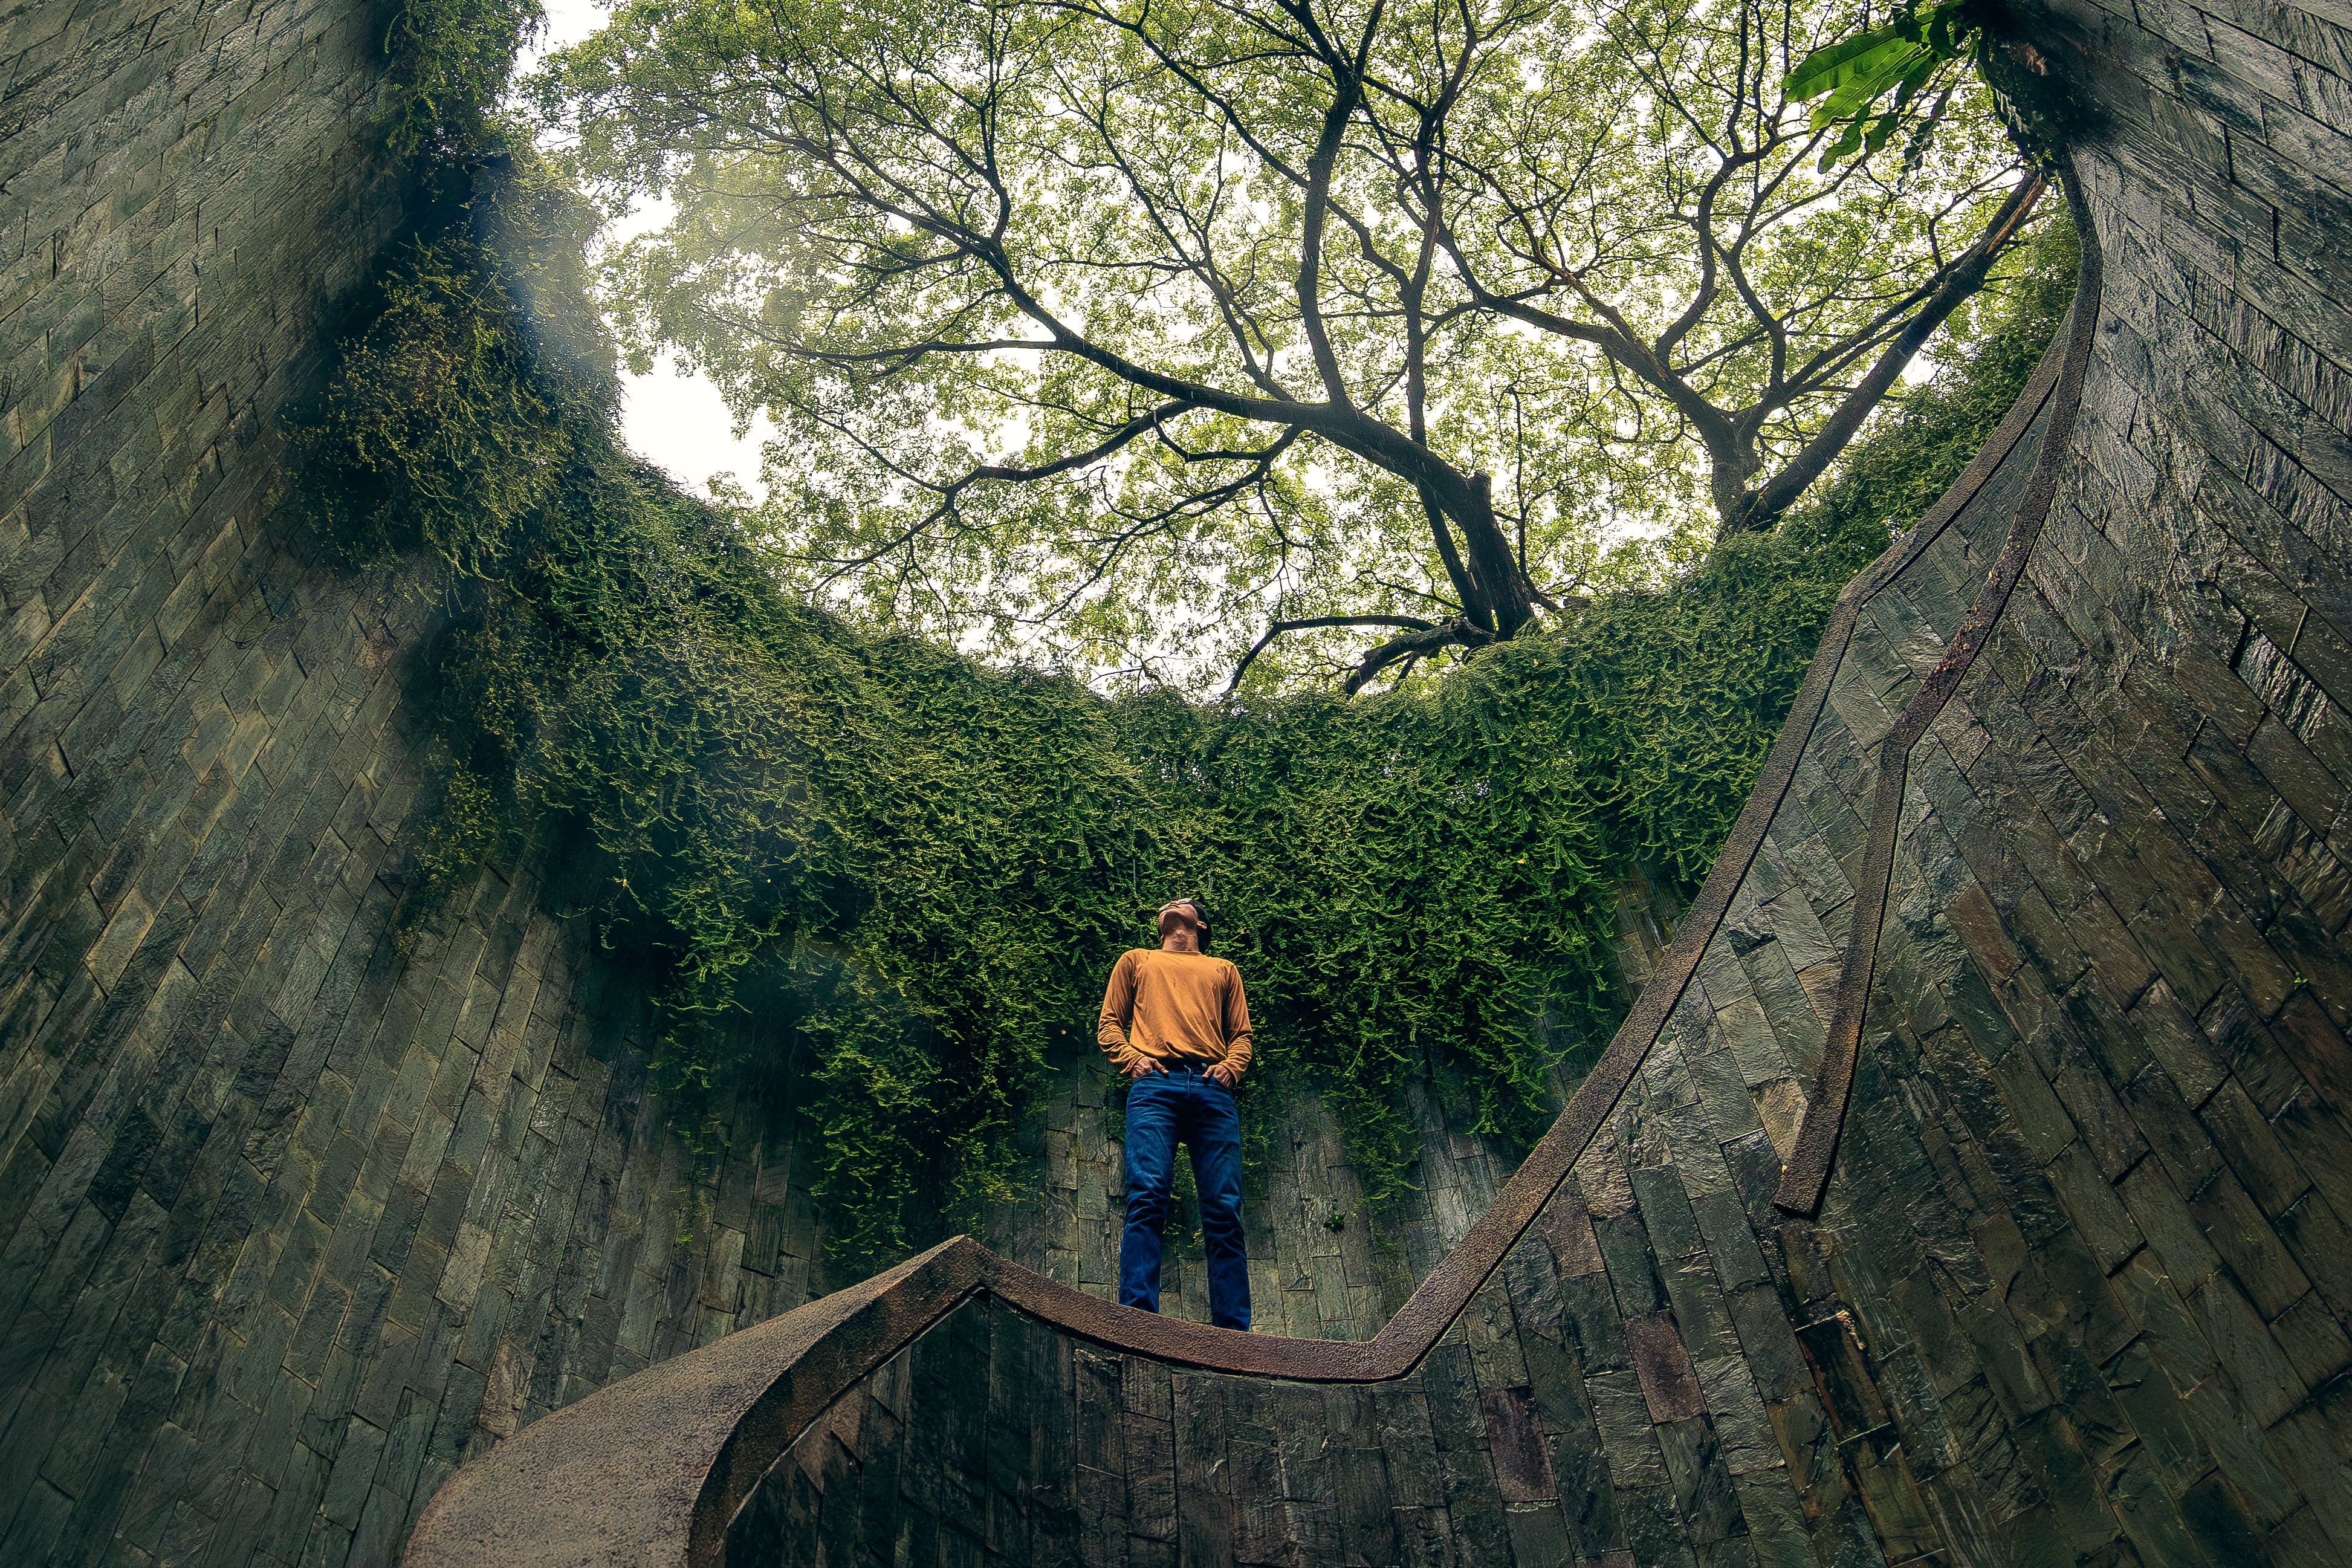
{"x": 1115, "y": 332}
{"x": 450, "y": 60}
{"x": 895, "y": 877}
{"x": 1872, "y": 82}
{"x": 1896, "y": 62}
{"x": 885, "y": 877}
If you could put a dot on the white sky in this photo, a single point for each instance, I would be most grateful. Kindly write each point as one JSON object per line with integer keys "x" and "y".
{"x": 676, "y": 421}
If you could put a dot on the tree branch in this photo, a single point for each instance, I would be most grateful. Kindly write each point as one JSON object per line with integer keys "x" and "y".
{"x": 1311, "y": 622}
{"x": 1347, "y": 93}
{"x": 1767, "y": 503}
{"x": 1456, "y": 633}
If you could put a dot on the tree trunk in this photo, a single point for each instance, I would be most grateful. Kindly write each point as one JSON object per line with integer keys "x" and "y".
{"x": 1732, "y": 466}
{"x": 1504, "y": 585}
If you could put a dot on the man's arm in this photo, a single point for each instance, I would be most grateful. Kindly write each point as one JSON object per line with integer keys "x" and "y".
{"x": 1117, "y": 1012}
{"x": 1236, "y": 1059}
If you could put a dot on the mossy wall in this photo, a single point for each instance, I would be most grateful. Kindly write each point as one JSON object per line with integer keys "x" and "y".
{"x": 296, "y": 1216}
{"x": 290, "y": 1217}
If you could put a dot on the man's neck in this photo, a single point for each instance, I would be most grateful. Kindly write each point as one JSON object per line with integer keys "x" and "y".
{"x": 1179, "y": 944}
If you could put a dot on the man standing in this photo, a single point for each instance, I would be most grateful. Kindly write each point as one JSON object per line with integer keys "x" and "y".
{"x": 1176, "y": 1022}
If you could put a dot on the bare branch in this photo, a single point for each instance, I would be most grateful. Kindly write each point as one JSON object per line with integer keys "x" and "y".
{"x": 1772, "y": 500}
{"x": 1311, "y": 622}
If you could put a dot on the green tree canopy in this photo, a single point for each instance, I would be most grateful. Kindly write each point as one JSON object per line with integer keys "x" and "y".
{"x": 1097, "y": 325}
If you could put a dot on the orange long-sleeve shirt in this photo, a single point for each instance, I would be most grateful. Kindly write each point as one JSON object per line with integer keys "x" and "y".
{"x": 1178, "y": 1008}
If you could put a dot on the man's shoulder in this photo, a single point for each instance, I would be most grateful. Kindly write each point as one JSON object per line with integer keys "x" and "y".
{"x": 1136, "y": 957}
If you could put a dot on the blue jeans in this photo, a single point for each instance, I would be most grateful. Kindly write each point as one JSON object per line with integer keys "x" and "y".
{"x": 1164, "y": 1109}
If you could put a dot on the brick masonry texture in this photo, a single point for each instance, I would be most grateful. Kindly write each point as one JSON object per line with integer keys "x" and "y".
{"x": 291, "y": 1223}
{"x": 288, "y": 1219}
{"x": 993, "y": 1436}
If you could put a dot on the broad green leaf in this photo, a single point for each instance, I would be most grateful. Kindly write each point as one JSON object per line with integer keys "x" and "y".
{"x": 1849, "y": 77}
{"x": 1822, "y": 70}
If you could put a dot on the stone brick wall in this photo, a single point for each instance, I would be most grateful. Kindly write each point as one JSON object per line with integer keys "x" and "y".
{"x": 993, "y": 1439}
{"x": 288, "y": 1219}
{"x": 294, "y": 1222}
{"x": 2089, "y": 1225}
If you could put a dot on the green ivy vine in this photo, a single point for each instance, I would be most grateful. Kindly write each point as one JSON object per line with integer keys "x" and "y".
{"x": 885, "y": 881}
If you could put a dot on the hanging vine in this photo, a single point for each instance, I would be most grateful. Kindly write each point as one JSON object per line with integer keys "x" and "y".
{"x": 894, "y": 877}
